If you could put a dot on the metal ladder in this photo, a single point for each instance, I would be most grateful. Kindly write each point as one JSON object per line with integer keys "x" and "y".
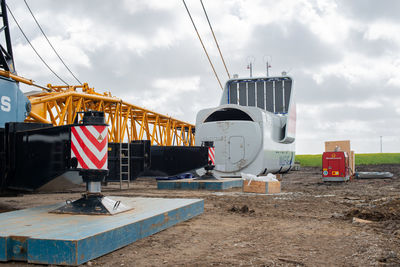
{"x": 124, "y": 163}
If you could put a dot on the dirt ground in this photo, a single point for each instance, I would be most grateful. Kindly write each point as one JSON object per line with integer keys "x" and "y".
{"x": 310, "y": 223}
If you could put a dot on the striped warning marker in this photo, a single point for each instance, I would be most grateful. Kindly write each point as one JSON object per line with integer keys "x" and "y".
{"x": 211, "y": 155}
{"x": 89, "y": 145}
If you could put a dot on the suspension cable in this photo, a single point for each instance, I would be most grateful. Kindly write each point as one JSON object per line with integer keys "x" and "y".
{"x": 44, "y": 62}
{"x": 45, "y": 36}
{"x": 201, "y": 41}
{"x": 215, "y": 39}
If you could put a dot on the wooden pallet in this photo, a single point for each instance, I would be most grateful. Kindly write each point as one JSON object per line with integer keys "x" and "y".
{"x": 262, "y": 187}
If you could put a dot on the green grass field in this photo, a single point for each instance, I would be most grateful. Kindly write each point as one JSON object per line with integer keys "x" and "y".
{"x": 361, "y": 159}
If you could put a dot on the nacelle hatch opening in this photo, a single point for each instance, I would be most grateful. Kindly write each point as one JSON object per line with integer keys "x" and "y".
{"x": 228, "y": 114}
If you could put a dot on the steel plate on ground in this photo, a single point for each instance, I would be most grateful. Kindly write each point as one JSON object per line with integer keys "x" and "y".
{"x": 37, "y": 236}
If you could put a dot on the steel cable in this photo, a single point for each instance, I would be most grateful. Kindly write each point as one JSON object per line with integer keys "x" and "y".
{"x": 215, "y": 39}
{"x": 44, "y": 62}
{"x": 45, "y": 36}
{"x": 201, "y": 41}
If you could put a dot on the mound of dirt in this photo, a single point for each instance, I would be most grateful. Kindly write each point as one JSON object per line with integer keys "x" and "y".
{"x": 243, "y": 209}
{"x": 385, "y": 211}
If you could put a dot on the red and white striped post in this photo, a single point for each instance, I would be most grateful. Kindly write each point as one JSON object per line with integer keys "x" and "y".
{"x": 211, "y": 161}
{"x": 211, "y": 155}
{"x": 89, "y": 146}
{"x": 89, "y": 150}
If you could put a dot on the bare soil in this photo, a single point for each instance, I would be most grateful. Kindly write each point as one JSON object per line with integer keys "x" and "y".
{"x": 310, "y": 223}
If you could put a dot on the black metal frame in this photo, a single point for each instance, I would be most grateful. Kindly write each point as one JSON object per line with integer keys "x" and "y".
{"x": 6, "y": 54}
{"x": 34, "y": 154}
{"x": 159, "y": 161}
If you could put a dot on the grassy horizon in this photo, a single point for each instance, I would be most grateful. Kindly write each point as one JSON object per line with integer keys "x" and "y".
{"x": 315, "y": 160}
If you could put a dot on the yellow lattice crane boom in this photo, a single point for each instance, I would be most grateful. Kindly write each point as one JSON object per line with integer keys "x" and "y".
{"x": 61, "y": 105}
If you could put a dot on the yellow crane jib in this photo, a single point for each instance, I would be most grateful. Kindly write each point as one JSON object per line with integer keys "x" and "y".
{"x": 60, "y": 105}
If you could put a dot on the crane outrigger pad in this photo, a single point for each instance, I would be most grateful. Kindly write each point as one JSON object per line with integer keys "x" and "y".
{"x": 37, "y": 236}
{"x": 93, "y": 204}
{"x": 202, "y": 184}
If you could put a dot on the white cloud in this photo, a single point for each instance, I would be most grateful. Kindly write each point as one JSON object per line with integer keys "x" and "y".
{"x": 383, "y": 30}
{"x": 325, "y": 20}
{"x": 178, "y": 85}
{"x": 165, "y": 91}
{"x": 359, "y": 68}
{"x": 135, "y": 6}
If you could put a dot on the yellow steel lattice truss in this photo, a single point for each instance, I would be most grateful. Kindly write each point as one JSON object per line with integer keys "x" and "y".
{"x": 127, "y": 122}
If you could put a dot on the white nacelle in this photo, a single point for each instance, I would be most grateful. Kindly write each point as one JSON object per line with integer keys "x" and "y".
{"x": 247, "y": 139}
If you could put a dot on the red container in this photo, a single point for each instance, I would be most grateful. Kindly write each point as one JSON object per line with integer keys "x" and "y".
{"x": 335, "y": 166}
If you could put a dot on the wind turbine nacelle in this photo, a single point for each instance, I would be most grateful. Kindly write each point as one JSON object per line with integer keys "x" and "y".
{"x": 249, "y": 138}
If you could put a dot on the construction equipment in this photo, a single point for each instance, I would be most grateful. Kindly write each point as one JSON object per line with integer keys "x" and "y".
{"x": 128, "y": 125}
{"x": 343, "y": 145}
{"x": 25, "y": 146}
{"x": 72, "y": 154}
{"x": 335, "y": 167}
{"x": 61, "y": 105}
{"x": 89, "y": 155}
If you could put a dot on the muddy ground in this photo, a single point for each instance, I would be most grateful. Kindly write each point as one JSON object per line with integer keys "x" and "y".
{"x": 310, "y": 223}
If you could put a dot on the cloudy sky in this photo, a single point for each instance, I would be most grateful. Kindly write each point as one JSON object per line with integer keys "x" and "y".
{"x": 344, "y": 57}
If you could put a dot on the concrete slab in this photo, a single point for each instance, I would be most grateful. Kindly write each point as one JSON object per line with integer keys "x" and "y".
{"x": 190, "y": 184}
{"x": 36, "y": 236}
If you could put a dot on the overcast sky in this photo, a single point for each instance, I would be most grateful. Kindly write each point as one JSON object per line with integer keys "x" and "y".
{"x": 344, "y": 57}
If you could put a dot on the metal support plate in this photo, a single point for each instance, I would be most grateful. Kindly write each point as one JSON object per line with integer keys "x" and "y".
{"x": 37, "y": 236}
{"x": 190, "y": 184}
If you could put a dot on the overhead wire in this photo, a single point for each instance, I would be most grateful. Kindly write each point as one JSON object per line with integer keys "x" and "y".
{"x": 215, "y": 39}
{"x": 37, "y": 53}
{"x": 45, "y": 36}
{"x": 201, "y": 41}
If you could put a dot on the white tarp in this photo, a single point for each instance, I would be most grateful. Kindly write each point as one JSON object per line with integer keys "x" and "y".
{"x": 251, "y": 177}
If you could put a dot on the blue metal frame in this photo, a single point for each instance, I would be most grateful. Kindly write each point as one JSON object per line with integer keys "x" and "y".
{"x": 200, "y": 184}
